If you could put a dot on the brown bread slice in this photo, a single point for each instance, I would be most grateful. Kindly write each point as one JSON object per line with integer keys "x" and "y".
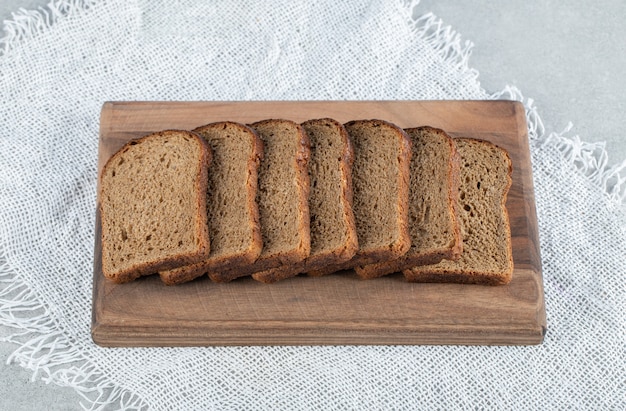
{"x": 333, "y": 231}
{"x": 487, "y": 256}
{"x": 282, "y": 199}
{"x": 152, "y": 205}
{"x": 380, "y": 182}
{"x": 233, "y": 217}
{"x": 433, "y": 191}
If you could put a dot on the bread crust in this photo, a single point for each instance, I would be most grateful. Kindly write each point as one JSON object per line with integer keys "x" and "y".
{"x": 350, "y": 246}
{"x": 303, "y": 249}
{"x": 434, "y": 274}
{"x": 402, "y": 244}
{"x": 187, "y": 272}
{"x": 419, "y": 257}
{"x": 200, "y": 227}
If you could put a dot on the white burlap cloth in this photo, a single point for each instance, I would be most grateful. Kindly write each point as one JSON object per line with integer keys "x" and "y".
{"x": 57, "y": 67}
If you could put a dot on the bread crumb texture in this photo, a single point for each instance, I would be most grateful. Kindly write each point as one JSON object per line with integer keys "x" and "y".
{"x": 153, "y": 201}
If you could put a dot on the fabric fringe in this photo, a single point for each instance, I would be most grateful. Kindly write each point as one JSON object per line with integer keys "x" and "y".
{"x": 443, "y": 39}
{"x": 51, "y": 354}
{"x": 590, "y": 159}
{"x": 48, "y": 352}
{"x": 27, "y": 24}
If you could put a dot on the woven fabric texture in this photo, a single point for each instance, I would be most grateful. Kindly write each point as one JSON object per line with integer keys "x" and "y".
{"x": 57, "y": 67}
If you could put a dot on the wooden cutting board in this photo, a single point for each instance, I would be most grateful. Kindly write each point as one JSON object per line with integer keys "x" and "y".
{"x": 336, "y": 309}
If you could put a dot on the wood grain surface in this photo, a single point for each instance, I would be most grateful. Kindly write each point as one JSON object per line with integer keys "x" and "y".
{"x": 335, "y": 309}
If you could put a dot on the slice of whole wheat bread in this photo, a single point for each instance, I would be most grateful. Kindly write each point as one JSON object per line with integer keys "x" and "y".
{"x": 485, "y": 178}
{"x": 333, "y": 230}
{"x": 282, "y": 199}
{"x": 433, "y": 223}
{"x": 380, "y": 182}
{"x": 152, "y": 205}
{"x": 233, "y": 216}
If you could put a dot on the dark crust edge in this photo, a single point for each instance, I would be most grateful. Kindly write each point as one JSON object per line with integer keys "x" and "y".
{"x": 432, "y": 256}
{"x": 201, "y": 227}
{"x": 426, "y": 274}
{"x": 186, "y": 273}
{"x": 303, "y": 248}
{"x": 351, "y": 245}
{"x": 402, "y": 244}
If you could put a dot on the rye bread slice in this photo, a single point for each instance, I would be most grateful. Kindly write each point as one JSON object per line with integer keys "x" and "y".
{"x": 485, "y": 178}
{"x": 433, "y": 222}
{"x": 380, "y": 182}
{"x": 282, "y": 199}
{"x": 152, "y": 205}
{"x": 233, "y": 216}
{"x": 333, "y": 230}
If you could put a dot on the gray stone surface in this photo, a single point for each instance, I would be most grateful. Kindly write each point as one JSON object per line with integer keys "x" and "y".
{"x": 567, "y": 56}
{"x": 18, "y": 392}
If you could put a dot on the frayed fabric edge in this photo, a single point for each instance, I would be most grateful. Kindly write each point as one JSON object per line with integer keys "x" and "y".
{"x": 590, "y": 159}
{"x": 49, "y": 352}
{"x": 27, "y": 24}
{"x": 441, "y": 38}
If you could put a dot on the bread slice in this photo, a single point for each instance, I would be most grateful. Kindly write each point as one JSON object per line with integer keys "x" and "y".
{"x": 487, "y": 256}
{"x": 380, "y": 182}
{"x": 282, "y": 199}
{"x": 333, "y": 231}
{"x": 233, "y": 216}
{"x": 152, "y": 205}
{"x": 433, "y": 223}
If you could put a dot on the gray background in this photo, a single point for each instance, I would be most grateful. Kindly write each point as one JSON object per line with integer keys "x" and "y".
{"x": 568, "y": 56}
